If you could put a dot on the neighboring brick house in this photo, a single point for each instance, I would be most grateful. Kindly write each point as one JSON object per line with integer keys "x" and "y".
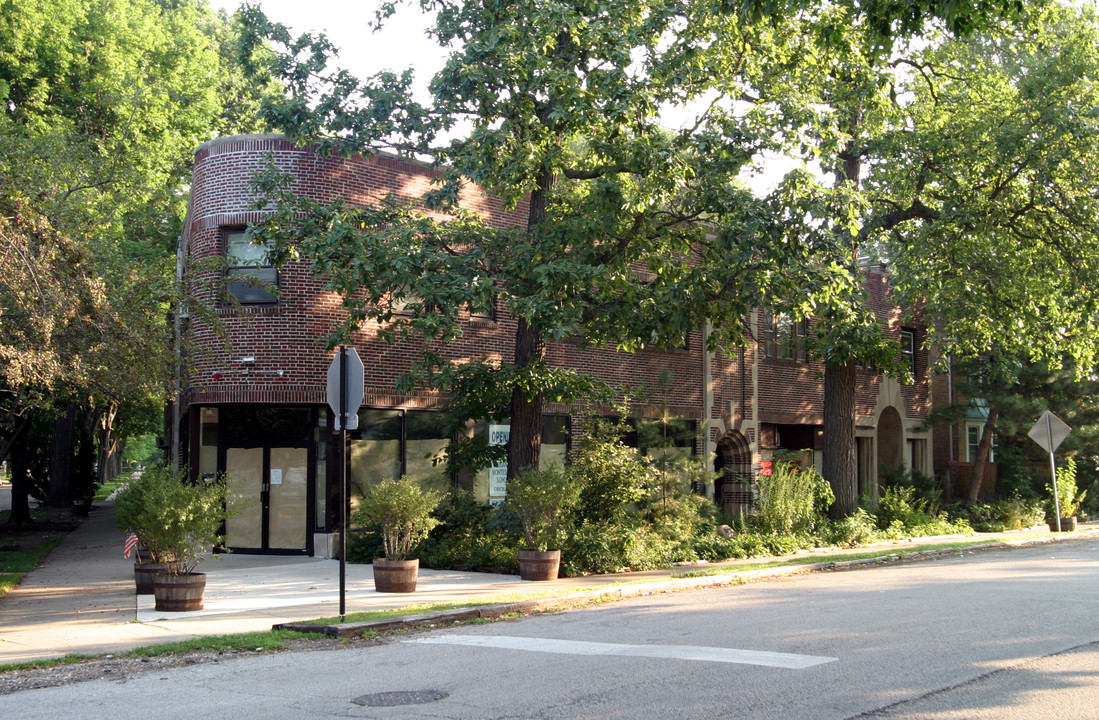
{"x": 253, "y": 401}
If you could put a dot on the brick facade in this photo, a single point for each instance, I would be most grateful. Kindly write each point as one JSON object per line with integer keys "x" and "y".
{"x": 270, "y": 355}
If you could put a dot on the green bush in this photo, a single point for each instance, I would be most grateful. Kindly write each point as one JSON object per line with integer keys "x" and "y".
{"x": 471, "y": 536}
{"x": 402, "y": 510}
{"x": 609, "y": 547}
{"x": 927, "y": 494}
{"x": 1012, "y": 513}
{"x": 859, "y": 528}
{"x": 178, "y": 522}
{"x": 1068, "y": 497}
{"x": 901, "y": 504}
{"x": 711, "y": 547}
{"x": 792, "y": 500}
{"x": 544, "y": 499}
{"x": 614, "y": 477}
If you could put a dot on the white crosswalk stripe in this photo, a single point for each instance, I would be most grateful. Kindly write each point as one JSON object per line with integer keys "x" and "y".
{"x": 670, "y": 652}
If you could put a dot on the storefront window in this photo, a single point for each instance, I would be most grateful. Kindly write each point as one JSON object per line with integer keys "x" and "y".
{"x": 490, "y": 484}
{"x": 425, "y": 455}
{"x": 375, "y": 449}
{"x": 208, "y": 441}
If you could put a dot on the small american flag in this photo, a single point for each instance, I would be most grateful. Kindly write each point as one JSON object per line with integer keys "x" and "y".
{"x": 130, "y": 545}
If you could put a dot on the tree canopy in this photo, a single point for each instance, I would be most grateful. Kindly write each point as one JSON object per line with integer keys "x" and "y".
{"x": 631, "y": 229}
{"x": 953, "y": 140}
{"x": 104, "y": 103}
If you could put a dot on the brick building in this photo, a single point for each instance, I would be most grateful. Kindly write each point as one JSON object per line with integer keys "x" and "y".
{"x": 253, "y": 399}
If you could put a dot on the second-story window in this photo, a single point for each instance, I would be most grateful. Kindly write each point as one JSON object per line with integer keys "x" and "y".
{"x": 249, "y": 278}
{"x": 784, "y": 338}
{"x": 908, "y": 351}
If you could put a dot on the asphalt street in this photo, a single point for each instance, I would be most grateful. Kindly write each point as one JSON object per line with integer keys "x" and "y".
{"x": 999, "y": 634}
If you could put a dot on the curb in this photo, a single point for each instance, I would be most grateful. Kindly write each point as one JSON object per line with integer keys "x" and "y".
{"x": 489, "y": 612}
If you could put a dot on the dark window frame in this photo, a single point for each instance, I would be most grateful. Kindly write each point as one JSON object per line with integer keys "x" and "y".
{"x": 247, "y": 293}
{"x": 908, "y": 338}
{"x": 784, "y": 337}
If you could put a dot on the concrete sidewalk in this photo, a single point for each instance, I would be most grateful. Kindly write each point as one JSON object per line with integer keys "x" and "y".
{"x": 82, "y": 600}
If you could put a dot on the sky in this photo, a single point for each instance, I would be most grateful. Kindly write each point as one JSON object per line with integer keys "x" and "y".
{"x": 347, "y": 24}
{"x": 401, "y": 45}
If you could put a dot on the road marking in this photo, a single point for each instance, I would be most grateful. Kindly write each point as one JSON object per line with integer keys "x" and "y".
{"x": 671, "y": 652}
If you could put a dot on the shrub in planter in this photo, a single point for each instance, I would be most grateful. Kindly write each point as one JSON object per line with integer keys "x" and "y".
{"x": 544, "y": 499}
{"x": 133, "y": 515}
{"x": 403, "y": 510}
{"x": 1068, "y": 497}
{"x": 179, "y": 523}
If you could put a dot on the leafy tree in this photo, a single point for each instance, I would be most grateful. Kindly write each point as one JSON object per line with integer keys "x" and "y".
{"x": 104, "y": 103}
{"x": 966, "y": 163}
{"x": 631, "y": 229}
{"x": 1016, "y": 392}
{"x": 562, "y": 104}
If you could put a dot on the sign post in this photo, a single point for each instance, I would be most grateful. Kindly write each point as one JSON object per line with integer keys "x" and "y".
{"x": 1049, "y": 432}
{"x": 345, "y": 395}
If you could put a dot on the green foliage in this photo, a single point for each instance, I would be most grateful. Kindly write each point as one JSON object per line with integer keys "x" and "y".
{"x": 924, "y": 487}
{"x": 859, "y": 528}
{"x": 614, "y": 477}
{"x": 1068, "y": 497}
{"x": 544, "y": 499}
{"x": 141, "y": 450}
{"x": 471, "y": 536}
{"x": 1011, "y": 513}
{"x": 403, "y": 509}
{"x": 179, "y": 522}
{"x": 562, "y": 108}
{"x": 103, "y": 105}
{"x": 1015, "y": 475}
{"x": 792, "y": 500}
{"x": 608, "y": 547}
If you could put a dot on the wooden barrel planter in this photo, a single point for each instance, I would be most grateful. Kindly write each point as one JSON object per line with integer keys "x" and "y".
{"x": 145, "y": 575}
{"x": 179, "y": 593}
{"x": 396, "y": 576}
{"x": 1067, "y": 524}
{"x": 539, "y": 564}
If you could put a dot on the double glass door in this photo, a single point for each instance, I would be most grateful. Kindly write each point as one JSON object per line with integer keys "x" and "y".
{"x": 268, "y": 498}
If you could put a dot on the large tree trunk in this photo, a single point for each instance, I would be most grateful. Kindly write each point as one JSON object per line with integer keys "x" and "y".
{"x": 62, "y": 445}
{"x": 840, "y": 462}
{"x": 106, "y": 444}
{"x": 977, "y": 479}
{"x": 525, "y": 441}
{"x": 20, "y": 476}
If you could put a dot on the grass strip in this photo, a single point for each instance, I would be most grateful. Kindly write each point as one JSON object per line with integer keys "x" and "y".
{"x": 109, "y": 487}
{"x": 14, "y": 564}
{"x": 266, "y": 641}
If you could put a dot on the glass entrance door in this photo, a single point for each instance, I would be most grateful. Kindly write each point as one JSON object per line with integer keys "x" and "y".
{"x": 268, "y": 498}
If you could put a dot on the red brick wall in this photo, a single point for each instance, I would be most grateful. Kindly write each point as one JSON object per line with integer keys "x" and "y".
{"x": 286, "y": 336}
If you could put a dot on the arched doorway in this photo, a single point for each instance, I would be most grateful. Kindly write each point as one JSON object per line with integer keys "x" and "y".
{"x": 890, "y": 440}
{"x": 733, "y": 490}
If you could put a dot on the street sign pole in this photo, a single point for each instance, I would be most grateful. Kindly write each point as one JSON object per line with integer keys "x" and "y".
{"x": 1053, "y": 472}
{"x": 346, "y": 378}
{"x": 1049, "y": 432}
{"x": 343, "y": 481}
